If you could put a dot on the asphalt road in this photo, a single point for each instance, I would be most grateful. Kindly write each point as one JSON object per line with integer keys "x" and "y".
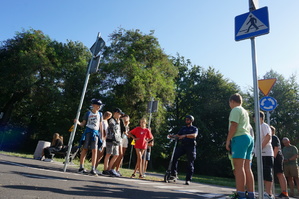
{"x": 29, "y": 178}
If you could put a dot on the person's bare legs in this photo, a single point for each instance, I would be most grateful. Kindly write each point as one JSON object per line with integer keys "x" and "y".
{"x": 82, "y": 156}
{"x": 249, "y": 176}
{"x": 118, "y": 161}
{"x": 282, "y": 182}
{"x": 139, "y": 153}
{"x": 94, "y": 157}
{"x": 99, "y": 157}
{"x": 268, "y": 187}
{"x": 239, "y": 174}
{"x": 106, "y": 161}
{"x": 112, "y": 161}
{"x": 291, "y": 184}
{"x": 297, "y": 183}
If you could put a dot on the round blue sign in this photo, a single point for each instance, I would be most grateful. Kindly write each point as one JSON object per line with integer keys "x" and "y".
{"x": 268, "y": 103}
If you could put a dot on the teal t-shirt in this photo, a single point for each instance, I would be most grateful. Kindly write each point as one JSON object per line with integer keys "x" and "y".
{"x": 288, "y": 152}
{"x": 240, "y": 116}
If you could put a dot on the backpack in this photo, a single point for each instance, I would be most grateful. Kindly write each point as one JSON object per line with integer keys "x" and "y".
{"x": 113, "y": 134}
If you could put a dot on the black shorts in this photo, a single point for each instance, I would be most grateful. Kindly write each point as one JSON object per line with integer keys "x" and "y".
{"x": 268, "y": 163}
{"x": 278, "y": 164}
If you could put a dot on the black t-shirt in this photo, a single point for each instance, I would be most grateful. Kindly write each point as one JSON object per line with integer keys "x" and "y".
{"x": 276, "y": 143}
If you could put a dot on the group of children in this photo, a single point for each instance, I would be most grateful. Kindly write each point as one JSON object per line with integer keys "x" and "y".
{"x": 110, "y": 132}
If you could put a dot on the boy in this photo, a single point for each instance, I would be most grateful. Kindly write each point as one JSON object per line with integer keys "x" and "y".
{"x": 93, "y": 122}
{"x": 267, "y": 156}
{"x": 241, "y": 147}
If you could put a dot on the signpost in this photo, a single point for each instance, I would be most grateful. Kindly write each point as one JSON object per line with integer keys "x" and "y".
{"x": 268, "y": 104}
{"x": 92, "y": 68}
{"x": 249, "y": 25}
{"x": 252, "y": 24}
{"x": 265, "y": 85}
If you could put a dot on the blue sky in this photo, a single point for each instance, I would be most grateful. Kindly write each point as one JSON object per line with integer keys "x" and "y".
{"x": 202, "y": 31}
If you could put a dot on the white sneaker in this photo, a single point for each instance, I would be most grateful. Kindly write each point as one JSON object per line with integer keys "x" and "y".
{"x": 48, "y": 160}
{"x": 267, "y": 196}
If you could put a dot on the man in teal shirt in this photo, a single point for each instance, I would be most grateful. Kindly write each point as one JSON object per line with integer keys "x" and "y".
{"x": 290, "y": 154}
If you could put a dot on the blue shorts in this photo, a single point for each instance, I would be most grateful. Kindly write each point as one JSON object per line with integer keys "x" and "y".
{"x": 242, "y": 147}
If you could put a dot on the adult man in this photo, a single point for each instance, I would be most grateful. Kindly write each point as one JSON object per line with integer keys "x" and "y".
{"x": 93, "y": 121}
{"x": 290, "y": 153}
{"x": 240, "y": 143}
{"x": 113, "y": 140}
{"x": 267, "y": 156}
{"x": 186, "y": 145}
{"x": 278, "y": 165}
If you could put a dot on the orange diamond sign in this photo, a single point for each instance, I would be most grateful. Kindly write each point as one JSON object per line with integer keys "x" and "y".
{"x": 265, "y": 85}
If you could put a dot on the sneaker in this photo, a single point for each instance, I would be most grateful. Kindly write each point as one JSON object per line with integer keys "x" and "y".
{"x": 118, "y": 173}
{"x": 98, "y": 172}
{"x": 141, "y": 177}
{"x": 283, "y": 196}
{"x": 82, "y": 170}
{"x": 267, "y": 196}
{"x": 48, "y": 160}
{"x": 114, "y": 173}
{"x": 93, "y": 172}
{"x": 133, "y": 175}
{"x": 187, "y": 182}
{"x": 106, "y": 172}
{"x": 234, "y": 195}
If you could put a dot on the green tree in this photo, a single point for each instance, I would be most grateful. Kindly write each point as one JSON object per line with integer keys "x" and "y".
{"x": 285, "y": 117}
{"x": 135, "y": 69}
{"x": 41, "y": 83}
{"x": 203, "y": 93}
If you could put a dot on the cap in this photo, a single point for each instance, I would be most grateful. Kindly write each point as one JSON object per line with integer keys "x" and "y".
{"x": 96, "y": 101}
{"x": 118, "y": 110}
{"x": 190, "y": 117}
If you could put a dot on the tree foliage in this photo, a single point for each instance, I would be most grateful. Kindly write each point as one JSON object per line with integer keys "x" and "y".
{"x": 285, "y": 117}
{"x": 203, "y": 93}
{"x": 39, "y": 83}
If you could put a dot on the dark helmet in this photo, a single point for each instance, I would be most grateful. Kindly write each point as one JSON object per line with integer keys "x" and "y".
{"x": 190, "y": 117}
{"x": 96, "y": 101}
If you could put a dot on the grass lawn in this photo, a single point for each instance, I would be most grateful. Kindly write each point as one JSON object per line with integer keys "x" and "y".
{"x": 228, "y": 182}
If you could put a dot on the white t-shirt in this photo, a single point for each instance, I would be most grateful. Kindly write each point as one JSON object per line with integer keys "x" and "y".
{"x": 93, "y": 121}
{"x": 265, "y": 130}
{"x": 105, "y": 126}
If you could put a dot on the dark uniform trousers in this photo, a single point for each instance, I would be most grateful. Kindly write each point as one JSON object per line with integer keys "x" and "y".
{"x": 190, "y": 151}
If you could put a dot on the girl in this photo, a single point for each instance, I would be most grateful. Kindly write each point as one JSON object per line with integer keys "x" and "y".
{"x": 142, "y": 136}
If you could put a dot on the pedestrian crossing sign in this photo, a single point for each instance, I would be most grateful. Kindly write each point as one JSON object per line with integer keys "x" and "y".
{"x": 252, "y": 24}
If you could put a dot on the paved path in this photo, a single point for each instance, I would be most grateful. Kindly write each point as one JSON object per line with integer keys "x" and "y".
{"x": 29, "y": 178}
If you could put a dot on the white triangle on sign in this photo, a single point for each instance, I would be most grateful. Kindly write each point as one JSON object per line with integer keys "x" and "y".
{"x": 251, "y": 24}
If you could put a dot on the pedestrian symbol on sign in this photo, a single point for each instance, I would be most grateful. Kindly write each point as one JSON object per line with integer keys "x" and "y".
{"x": 252, "y": 22}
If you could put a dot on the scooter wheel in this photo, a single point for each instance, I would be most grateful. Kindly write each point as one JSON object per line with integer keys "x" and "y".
{"x": 166, "y": 177}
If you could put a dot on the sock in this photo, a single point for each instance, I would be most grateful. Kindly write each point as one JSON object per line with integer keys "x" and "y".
{"x": 92, "y": 168}
{"x": 250, "y": 195}
{"x": 241, "y": 194}
{"x": 81, "y": 166}
{"x": 285, "y": 193}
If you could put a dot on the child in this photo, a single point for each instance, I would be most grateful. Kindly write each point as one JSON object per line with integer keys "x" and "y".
{"x": 93, "y": 121}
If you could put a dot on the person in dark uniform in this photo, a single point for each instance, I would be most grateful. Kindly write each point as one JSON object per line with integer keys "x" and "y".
{"x": 186, "y": 145}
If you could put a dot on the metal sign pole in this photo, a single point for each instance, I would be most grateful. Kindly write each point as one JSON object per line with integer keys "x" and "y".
{"x": 257, "y": 122}
{"x": 150, "y": 110}
{"x": 71, "y": 139}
